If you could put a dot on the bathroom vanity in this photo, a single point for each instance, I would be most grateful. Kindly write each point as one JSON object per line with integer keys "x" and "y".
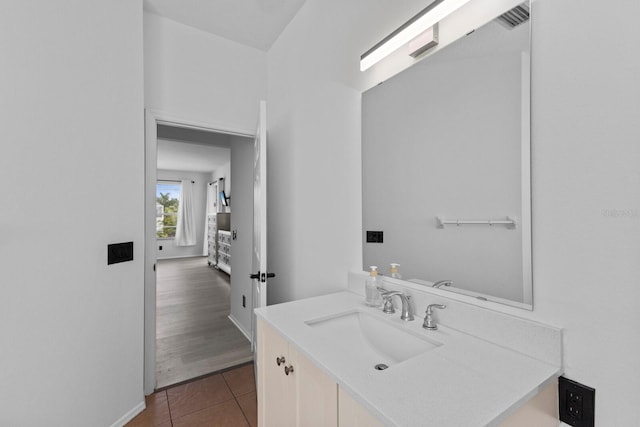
{"x": 332, "y": 361}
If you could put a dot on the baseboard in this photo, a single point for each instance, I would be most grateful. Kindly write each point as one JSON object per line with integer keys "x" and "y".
{"x": 130, "y": 415}
{"x": 239, "y": 326}
{"x": 182, "y": 256}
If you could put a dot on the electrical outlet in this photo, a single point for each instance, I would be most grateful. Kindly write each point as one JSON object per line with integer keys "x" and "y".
{"x": 577, "y": 403}
{"x": 244, "y": 301}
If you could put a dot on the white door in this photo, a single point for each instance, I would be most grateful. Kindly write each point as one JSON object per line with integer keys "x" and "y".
{"x": 260, "y": 273}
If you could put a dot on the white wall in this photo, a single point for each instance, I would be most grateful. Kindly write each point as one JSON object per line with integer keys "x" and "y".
{"x": 72, "y": 109}
{"x": 314, "y": 202}
{"x": 443, "y": 139}
{"x": 169, "y": 247}
{"x": 586, "y": 104}
{"x": 586, "y": 100}
{"x": 201, "y": 77}
{"x": 242, "y": 223}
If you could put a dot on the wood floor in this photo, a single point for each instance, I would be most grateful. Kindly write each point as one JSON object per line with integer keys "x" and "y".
{"x": 194, "y": 335}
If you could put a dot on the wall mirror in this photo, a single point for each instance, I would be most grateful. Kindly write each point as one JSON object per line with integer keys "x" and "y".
{"x": 446, "y": 167}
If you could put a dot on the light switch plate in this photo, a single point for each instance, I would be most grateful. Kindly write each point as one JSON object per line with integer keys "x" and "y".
{"x": 119, "y": 252}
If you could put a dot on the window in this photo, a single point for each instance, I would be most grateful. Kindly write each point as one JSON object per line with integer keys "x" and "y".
{"x": 167, "y": 196}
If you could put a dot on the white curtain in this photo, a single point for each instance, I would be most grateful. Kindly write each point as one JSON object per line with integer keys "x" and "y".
{"x": 186, "y": 228}
{"x": 210, "y": 209}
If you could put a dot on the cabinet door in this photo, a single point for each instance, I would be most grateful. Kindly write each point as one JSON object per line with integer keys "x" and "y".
{"x": 317, "y": 395}
{"x": 352, "y": 414}
{"x": 276, "y": 391}
{"x": 540, "y": 411}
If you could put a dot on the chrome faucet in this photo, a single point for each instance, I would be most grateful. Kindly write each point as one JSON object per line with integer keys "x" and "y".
{"x": 429, "y": 323}
{"x": 407, "y": 311}
{"x": 442, "y": 283}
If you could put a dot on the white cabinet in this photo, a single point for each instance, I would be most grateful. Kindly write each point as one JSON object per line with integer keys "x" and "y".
{"x": 212, "y": 235}
{"x": 276, "y": 389}
{"x": 540, "y": 411}
{"x": 224, "y": 251}
{"x": 292, "y": 391}
{"x": 352, "y": 414}
{"x": 219, "y": 241}
{"x": 317, "y": 396}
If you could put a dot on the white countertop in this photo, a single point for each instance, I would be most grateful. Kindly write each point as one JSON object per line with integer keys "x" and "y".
{"x": 464, "y": 382}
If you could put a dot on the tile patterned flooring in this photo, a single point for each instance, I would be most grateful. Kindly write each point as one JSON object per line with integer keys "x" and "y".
{"x": 226, "y": 399}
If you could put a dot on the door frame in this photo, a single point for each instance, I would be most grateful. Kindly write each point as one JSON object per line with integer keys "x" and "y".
{"x": 153, "y": 118}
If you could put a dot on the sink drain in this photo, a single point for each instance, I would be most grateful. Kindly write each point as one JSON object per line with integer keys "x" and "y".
{"x": 381, "y": 367}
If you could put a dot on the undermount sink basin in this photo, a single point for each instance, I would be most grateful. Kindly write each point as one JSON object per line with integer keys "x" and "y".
{"x": 371, "y": 339}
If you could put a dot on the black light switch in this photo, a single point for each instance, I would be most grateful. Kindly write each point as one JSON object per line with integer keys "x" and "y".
{"x": 374, "y": 236}
{"x": 119, "y": 252}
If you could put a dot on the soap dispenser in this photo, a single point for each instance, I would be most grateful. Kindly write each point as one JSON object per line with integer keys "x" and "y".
{"x": 372, "y": 295}
{"x": 394, "y": 271}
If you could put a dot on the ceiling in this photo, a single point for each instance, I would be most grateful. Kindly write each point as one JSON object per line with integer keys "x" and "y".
{"x": 192, "y": 150}
{"x": 255, "y": 23}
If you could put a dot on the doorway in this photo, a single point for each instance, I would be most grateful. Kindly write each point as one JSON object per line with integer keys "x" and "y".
{"x": 194, "y": 335}
{"x": 190, "y": 327}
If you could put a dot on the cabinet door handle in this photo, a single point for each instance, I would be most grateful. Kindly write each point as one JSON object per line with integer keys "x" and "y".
{"x": 280, "y": 360}
{"x": 288, "y": 369}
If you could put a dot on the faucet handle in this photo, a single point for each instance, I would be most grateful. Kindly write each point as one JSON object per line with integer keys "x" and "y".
{"x": 442, "y": 283}
{"x": 432, "y": 306}
{"x": 388, "y": 304}
{"x": 428, "y": 319}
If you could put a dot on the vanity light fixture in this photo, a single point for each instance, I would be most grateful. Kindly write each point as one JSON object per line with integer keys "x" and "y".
{"x": 410, "y": 30}
{"x": 424, "y": 41}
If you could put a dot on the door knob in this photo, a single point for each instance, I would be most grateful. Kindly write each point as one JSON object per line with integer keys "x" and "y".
{"x": 288, "y": 369}
{"x": 262, "y": 276}
{"x": 280, "y": 360}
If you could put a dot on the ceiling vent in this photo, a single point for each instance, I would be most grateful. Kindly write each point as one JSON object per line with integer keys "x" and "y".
{"x": 514, "y": 17}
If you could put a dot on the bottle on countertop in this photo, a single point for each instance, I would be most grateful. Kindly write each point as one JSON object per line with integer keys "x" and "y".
{"x": 394, "y": 271}
{"x": 372, "y": 294}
